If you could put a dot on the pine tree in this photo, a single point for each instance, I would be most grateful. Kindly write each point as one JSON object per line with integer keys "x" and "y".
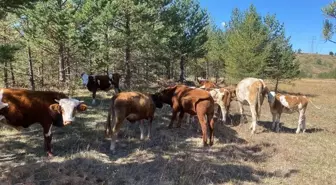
{"x": 247, "y": 39}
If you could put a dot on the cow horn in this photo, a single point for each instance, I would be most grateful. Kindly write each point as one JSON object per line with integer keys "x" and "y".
{"x": 56, "y": 100}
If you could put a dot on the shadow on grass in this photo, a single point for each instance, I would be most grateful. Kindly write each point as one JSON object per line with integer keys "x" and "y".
{"x": 268, "y": 126}
{"x": 179, "y": 169}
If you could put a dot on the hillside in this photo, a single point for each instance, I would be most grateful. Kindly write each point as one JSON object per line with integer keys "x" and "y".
{"x": 314, "y": 64}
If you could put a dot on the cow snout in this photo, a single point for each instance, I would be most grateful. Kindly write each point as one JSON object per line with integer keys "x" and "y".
{"x": 67, "y": 122}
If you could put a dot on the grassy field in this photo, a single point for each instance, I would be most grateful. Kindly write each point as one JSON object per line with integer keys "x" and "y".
{"x": 175, "y": 156}
{"x": 314, "y": 64}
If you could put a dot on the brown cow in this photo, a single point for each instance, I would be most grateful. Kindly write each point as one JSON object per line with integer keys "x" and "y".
{"x": 280, "y": 103}
{"x": 133, "y": 106}
{"x": 192, "y": 101}
{"x": 222, "y": 98}
{"x": 25, "y": 107}
{"x": 100, "y": 82}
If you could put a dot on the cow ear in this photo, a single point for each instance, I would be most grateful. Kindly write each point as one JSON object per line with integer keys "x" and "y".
{"x": 81, "y": 107}
{"x": 56, "y": 108}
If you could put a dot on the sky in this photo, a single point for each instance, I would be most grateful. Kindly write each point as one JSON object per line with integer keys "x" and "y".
{"x": 303, "y": 19}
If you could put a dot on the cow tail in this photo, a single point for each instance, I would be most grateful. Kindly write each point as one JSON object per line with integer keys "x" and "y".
{"x": 314, "y": 104}
{"x": 110, "y": 115}
{"x": 260, "y": 89}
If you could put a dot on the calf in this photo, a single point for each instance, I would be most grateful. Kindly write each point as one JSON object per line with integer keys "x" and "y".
{"x": 100, "y": 82}
{"x": 193, "y": 101}
{"x": 206, "y": 84}
{"x": 252, "y": 91}
{"x": 133, "y": 106}
{"x": 288, "y": 104}
{"x": 24, "y": 108}
{"x": 222, "y": 98}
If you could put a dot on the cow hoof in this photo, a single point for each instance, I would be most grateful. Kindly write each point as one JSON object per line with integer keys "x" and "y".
{"x": 50, "y": 154}
{"x": 211, "y": 143}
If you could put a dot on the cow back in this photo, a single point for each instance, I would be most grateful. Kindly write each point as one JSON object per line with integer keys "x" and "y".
{"x": 27, "y": 107}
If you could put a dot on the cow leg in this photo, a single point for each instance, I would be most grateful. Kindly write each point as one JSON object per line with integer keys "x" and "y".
{"x": 278, "y": 123}
{"x": 142, "y": 129}
{"x": 149, "y": 133}
{"x": 254, "y": 119}
{"x": 241, "y": 110}
{"x": 211, "y": 125}
{"x": 172, "y": 119}
{"x": 203, "y": 123}
{"x": 116, "y": 127}
{"x": 273, "y": 120}
{"x": 224, "y": 113}
{"x": 94, "y": 97}
{"x": 180, "y": 119}
{"x": 47, "y": 139}
{"x": 302, "y": 121}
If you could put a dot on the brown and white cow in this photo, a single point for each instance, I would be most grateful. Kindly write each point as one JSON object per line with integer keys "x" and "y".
{"x": 252, "y": 91}
{"x": 222, "y": 98}
{"x": 206, "y": 84}
{"x": 193, "y": 101}
{"x": 280, "y": 103}
{"x": 100, "y": 82}
{"x": 24, "y": 108}
{"x": 133, "y": 106}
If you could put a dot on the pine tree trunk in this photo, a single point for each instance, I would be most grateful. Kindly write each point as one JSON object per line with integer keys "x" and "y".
{"x": 207, "y": 70}
{"x": 128, "y": 53}
{"x": 68, "y": 63}
{"x": 6, "y": 75}
{"x": 182, "y": 61}
{"x": 168, "y": 70}
{"x": 31, "y": 72}
{"x": 61, "y": 63}
{"x": 12, "y": 74}
{"x": 276, "y": 85}
{"x": 42, "y": 73}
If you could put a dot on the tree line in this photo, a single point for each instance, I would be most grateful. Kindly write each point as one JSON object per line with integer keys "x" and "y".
{"x": 49, "y": 43}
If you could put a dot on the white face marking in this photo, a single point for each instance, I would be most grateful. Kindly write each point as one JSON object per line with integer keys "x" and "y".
{"x": 2, "y": 104}
{"x": 69, "y": 105}
{"x": 85, "y": 79}
{"x": 271, "y": 97}
{"x": 283, "y": 101}
{"x": 98, "y": 81}
{"x": 110, "y": 76}
{"x": 49, "y": 132}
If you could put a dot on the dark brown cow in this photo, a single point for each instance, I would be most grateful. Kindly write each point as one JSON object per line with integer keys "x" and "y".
{"x": 100, "y": 82}
{"x": 193, "y": 101}
{"x": 133, "y": 106}
{"x": 24, "y": 108}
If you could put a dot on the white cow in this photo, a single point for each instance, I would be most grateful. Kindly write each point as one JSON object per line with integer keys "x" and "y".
{"x": 252, "y": 91}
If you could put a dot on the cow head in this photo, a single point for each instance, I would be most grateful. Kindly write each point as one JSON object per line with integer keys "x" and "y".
{"x": 156, "y": 100}
{"x": 271, "y": 97}
{"x": 85, "y": 79}
{"x": 2, "y": 104}
{"x": 166, "y": 94}
{"x": 68, "y": 107}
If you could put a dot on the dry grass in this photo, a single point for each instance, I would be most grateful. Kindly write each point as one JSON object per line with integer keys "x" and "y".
{"x": 316, "y": 63}
{"x": 176, "y": 156}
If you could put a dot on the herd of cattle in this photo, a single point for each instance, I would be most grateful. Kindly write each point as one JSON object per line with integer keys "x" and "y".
{"x": 22, "y": 108}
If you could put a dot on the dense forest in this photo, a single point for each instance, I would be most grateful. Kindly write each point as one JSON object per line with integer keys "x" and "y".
{"x": 49, "y": 43}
